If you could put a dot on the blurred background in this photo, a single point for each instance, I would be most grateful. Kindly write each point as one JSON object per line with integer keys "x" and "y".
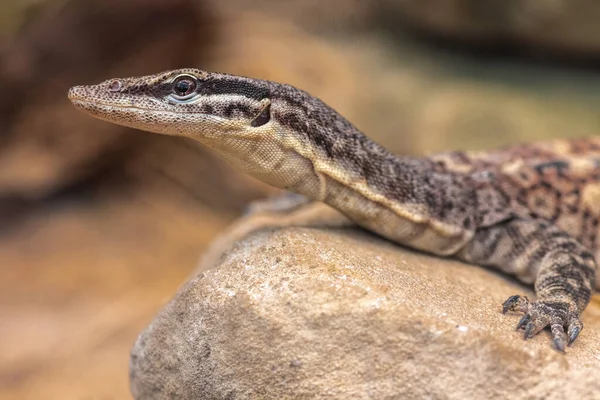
{"x": 99, "y": 225}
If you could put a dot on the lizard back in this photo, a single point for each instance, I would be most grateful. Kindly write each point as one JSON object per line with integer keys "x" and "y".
{"x": 558, "y": 181}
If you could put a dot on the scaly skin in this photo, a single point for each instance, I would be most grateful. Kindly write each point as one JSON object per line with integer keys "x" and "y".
{"x": 531, "y": 211}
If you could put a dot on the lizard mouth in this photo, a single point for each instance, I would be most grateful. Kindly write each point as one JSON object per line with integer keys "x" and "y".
{"x": 125, "y": 112}
{"x": 77, "y": 93}
{"x": 78, "y": 97}
{"x": 86, "y": 104}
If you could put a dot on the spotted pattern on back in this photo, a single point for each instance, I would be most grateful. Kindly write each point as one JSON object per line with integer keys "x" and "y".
{"x": 558, "y": 181}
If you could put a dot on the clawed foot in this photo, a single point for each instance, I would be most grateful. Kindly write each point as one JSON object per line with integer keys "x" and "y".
{"x": 540, "y": 314}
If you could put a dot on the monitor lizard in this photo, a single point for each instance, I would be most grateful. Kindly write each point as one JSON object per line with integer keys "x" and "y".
{"x": 531, "y": 210}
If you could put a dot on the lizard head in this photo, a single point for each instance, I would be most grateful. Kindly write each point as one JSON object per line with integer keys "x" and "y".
{"x": 254, "y": 124}
{"x": 187, "y": 102}
{"x": 274, "y": 132}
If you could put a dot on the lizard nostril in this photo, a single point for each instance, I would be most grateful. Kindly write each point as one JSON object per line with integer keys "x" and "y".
{"x": 115, "y": 86}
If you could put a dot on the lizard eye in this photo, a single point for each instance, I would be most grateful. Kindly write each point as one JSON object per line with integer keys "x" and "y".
{"x": 115, "y": 86}
{"x": 184, "y": 85}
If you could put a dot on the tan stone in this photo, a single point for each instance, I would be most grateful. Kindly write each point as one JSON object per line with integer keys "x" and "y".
{"x": 340, "y": 314}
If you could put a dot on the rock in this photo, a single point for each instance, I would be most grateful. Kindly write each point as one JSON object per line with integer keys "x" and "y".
{"x": 316, "y": 313}
{"x": 559, "y": 27}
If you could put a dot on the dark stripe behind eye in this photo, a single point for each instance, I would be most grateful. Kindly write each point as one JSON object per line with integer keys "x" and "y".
{"x": 234, "y": 87}
{"x": 215, "y": 86}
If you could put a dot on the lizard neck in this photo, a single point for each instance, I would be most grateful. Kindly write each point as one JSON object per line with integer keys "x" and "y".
{"x": 404, "y": 199}
{"x": 324, "y": 148}
{"x": 310, "y": 149}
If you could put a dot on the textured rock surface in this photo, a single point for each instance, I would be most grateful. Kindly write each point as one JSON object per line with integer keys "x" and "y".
{"x": 309, "y": 313}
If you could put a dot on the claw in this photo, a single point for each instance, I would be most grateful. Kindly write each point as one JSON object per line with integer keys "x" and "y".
{"x": 559, "y": 343}
{"x": 510, "y": 303}
{"x": 528, "y": 330}
{"x": 524, "y": 321}
{"x": 573, "y": 335}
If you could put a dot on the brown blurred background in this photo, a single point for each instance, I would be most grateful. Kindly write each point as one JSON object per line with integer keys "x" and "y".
{"x": 99, "y": 225}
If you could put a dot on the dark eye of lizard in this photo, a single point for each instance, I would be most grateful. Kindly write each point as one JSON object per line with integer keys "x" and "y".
{"x": 184, "y": 86}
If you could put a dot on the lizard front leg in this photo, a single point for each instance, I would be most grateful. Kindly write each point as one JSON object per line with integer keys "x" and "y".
{"x": 560, "y": 267}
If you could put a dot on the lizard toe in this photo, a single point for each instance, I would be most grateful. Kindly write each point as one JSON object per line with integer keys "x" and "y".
{"x": 574, "y": 328}
{"x": 523, "y": 322}
{"x": 559, "y": 337}
{"x": 537, "y": 322}
{"x": 515, "y": 303}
